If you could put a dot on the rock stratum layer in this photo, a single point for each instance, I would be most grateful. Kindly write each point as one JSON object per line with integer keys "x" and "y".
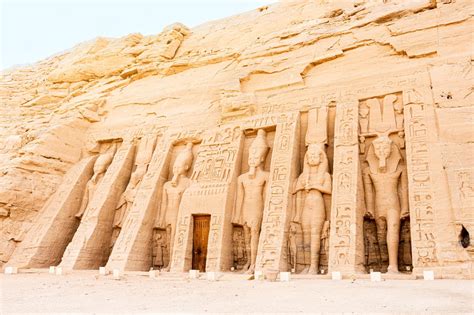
{"x": 127, "y": 152}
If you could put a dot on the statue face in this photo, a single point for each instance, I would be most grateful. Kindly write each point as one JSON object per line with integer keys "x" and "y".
{"x": 256, "y": 156}
{"x": 382, "y": 150}
{"x": 313, "y": 156}
{"x": 180, "y": 169}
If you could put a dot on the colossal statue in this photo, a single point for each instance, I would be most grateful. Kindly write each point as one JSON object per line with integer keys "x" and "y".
{"x": 143, "y": 158}
{"x": 386, "y": 194}
{"x": 251, "y": 190}
{"x": 310, "y": 186}
{"x": 171, "y": 197}
{"x": 100, "y": 167}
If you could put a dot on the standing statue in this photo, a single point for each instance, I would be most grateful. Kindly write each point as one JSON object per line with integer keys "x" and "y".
{"x": 100, "y": 167}
{"x": 251, "y": 190}
{"x": 171, "y": 198}
{"x": 125, "y": 203}
{"x": 158, "y": 253}
{"x": 143, "y": 158}
{"x": 310, "y": 186}
{"x": 292, "y": 246}
{"x": 386, "y": 194}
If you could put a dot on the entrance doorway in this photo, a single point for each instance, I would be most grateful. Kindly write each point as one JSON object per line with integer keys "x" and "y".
{"x": 200, "y": 238}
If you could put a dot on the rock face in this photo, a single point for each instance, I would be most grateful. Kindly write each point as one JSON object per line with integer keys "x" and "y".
{"x": 310, "y": 136}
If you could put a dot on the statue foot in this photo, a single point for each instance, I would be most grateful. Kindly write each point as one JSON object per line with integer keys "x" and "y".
{"x": 392, "y": 270}
{"x": 245, "y": 268}
{"x": 167, "y": 269}
{"x": 313, "y": 270}
{"x": 251, "y": 270}
{"x": 304, "y": 271}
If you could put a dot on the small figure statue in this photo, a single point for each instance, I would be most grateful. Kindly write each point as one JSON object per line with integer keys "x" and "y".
{"x": 386, "y": 194}
{"x": 310, "y": 186}
{"x": 238, "y": 246}
{"x": 100, "y": 167}
{"x": 172, "y": 192}
{"x": 158, "y": 252}
{"x": 292, "y": 245}
{"x": 251, "y": 190}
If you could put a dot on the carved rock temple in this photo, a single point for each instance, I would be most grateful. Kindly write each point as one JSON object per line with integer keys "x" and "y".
{"x": 303, "y": 136}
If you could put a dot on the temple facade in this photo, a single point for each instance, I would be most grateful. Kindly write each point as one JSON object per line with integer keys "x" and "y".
{"x": 339, "y": 139}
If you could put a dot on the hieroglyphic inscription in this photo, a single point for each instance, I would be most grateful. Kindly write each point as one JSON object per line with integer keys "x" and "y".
{"x": 344, "y": 230}
{"x": 276, "y": 212}
{"x": 215, "y": 160}
{"x": 421, "y": 189}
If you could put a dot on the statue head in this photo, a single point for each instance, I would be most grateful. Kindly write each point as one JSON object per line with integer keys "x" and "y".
{"x": 258, "y": 151}
{"x": 314, "y": 155}
{"x": 382, "y": 150}
{"x": 103, "y": 161}
{"x": 183, "y": 163}
{"x": 137, "y": 175}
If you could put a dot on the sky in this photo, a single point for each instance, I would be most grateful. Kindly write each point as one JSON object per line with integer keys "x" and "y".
{"x": 32, "y": 30}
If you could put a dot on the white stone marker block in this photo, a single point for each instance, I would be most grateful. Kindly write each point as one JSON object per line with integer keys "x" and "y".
{"x": 11, "y": 270}
{"x": 285, "y": 276}
{"x": 336, "y": 275}
{"x": 116, "y": 274}
{"x": 52, "y": 270}
{"x": 375, "y": 276}
{"x": 59, "y": 271}
{"x": 102, "y": 271}
{"x": 153, "y": 273}
{"x": 428, "y": 274}
{"x": 212, "y": 276}
{"x": 258, "y": 275}
{"x": 193, "y": 274}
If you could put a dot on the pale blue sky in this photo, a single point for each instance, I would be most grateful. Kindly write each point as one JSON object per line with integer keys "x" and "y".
{"x": 35, "y": 29}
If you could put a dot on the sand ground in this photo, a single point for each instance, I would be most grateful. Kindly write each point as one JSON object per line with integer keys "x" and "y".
{"x": 90, "y": 293}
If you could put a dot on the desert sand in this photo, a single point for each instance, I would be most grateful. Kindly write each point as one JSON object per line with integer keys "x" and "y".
{"x": 86, "y": 292}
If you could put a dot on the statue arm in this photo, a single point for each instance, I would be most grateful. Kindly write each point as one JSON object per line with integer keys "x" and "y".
{"x": 163, "y": 209}
{"x": 238, "y": 204}
{"x": 298, "y": 206}
{"x": 404, "y": 194}
{"x": 369, "y": 193}
{"x": 327, "y": 186}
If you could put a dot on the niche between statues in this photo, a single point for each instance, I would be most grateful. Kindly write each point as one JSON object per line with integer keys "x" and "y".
{"x": 384, "y": 184}
{"x": 252, "y": 185}
{"x": 176, "y": 180}
{"x": 312, "y": 194}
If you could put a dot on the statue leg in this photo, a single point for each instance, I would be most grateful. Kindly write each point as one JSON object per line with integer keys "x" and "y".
{"x": 381, "y": 225}
{"x": 248, "y": 252}
{"x": 85, "y": 201}
{"x": 306, "y": 247}
{"x": 170, "y": 236}
{"x": 315, "y": 246}
{"x": 154, "y": 249}
{"x": 393, "y": 240}
{"x": 254, "y": 236}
